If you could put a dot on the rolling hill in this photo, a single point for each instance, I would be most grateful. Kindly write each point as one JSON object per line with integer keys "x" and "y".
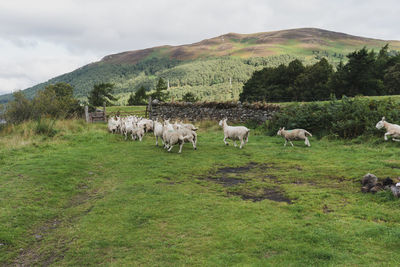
{"x": 213, "y": 69}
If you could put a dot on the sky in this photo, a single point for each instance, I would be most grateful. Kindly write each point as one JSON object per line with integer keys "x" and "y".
{"x": 42, "y": 39}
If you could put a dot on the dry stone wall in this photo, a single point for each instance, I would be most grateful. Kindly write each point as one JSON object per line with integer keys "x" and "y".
{"x": 235, "y": 112}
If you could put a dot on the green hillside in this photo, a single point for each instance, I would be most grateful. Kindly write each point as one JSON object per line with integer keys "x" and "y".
{"x": 213, "y": 69}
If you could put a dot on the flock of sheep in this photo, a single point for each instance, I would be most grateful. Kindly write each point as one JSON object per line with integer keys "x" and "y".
{"x": 171, "y": 134}
{"x": 180, "y": 133}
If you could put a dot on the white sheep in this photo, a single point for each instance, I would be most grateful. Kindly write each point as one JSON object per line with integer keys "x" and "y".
{"x": 167, "y": 127}
{"x": 392, "y": 130}
{"x": 113, "y": 124}
{"x": 172, "y": 138}
{"x": 189, "y": 135}
{"x": 138, "y": 131}
{"x": 295, "y": 134}
{"x": 147, "y": 125}
{"x": 128, "y": 129}
{"x": 158, "y": 131}
{"x": 234, "y": 133}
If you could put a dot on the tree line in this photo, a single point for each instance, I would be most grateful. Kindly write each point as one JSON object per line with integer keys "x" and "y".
{"x": 365, "y": 73}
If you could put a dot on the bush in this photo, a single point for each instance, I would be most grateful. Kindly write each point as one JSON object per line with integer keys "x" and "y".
{"x": 347, "y": 118}
{"x": 55, "y": 101}
{"x": 45, "y": 127}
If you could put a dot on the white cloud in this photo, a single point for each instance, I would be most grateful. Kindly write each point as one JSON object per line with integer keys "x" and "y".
{"x": 45, "y": 38}
{"x": 26, "y": 62}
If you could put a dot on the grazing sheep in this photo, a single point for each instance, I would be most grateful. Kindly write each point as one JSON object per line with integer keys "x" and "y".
{"x": 296, "y": 134}
{"x": 392, "y": 130}
{"x": 234, "y": 133}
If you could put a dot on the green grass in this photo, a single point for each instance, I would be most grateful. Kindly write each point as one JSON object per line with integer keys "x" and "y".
{"x": 92, "y": 198}
{"x": 125, "y": 110}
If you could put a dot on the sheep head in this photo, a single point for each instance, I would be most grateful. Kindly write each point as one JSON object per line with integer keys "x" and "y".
{"x": 380, "y": 123}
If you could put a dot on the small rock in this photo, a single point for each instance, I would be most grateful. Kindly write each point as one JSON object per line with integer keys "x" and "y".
{"x": 370, "y": 180}
{"x": 374, "y": 189}
{"x": 365, "y": 189}
{"x": 395, "y": 190}
{"x": 1, "y": 244}
{"x": 387, "y": 181}
{"x": 91, "y": 173}
{"x": 38, "y": 237}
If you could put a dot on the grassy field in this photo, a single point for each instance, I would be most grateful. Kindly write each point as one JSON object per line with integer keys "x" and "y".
{"x": 86, "y": 197}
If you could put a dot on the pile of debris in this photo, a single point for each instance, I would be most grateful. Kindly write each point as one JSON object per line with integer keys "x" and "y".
{"x": 371, "y": 184}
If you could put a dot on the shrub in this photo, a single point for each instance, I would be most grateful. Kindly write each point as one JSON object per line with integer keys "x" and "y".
{"x": 347, "y": 118}
{"x": 45, "y": 127}
{"x": 55, "y": 101}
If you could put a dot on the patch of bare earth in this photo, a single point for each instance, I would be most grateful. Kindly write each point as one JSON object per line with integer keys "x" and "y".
{"x": 235, "y": 180}
{"x": 274, "y": 194}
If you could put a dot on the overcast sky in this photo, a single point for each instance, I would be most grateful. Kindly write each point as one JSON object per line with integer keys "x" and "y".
{"x": 42, "y": 39}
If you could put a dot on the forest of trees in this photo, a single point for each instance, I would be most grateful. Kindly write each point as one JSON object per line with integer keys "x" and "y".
{"x": 207, "y": 79}
{"x": 365, "y": 73}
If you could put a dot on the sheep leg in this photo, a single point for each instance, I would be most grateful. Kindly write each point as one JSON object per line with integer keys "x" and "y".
{"x": 156, "y": 140}
{"x": 234, "y": 143}
{"x": 126, "y": 135}
{"x": 397, "y": 140}
{"x": 170, "y": 148}
{"x": 386, "y": 135}
{"x": 285, "y": 142}
{"x": 307, "y": 142}
{"x": 180, "y": 147}
{"x": 194, "y": 144}
{"x": 226, "y": 143}
{"x": 291, "y": 143}
{"x": 241, "y": 143}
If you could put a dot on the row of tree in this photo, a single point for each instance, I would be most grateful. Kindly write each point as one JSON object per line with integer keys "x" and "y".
{"x": 365, "y": 73}
{"x": 160, "y": 93}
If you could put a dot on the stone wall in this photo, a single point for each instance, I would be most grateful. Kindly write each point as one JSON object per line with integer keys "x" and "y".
{"x": 235, "y": 112}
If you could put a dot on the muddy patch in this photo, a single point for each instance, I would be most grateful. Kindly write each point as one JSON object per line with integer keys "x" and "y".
{"x": 242, "y": 169}
{"x": 241, "y": 181}
{"x": 227, "y": 181}
{"x": 273, "y": 194}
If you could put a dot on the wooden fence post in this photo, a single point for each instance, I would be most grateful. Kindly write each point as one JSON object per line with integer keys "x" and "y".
{"x": 148, "y": 108}
{"x": 104, "y": 111}
{"x": 87, "y": 113}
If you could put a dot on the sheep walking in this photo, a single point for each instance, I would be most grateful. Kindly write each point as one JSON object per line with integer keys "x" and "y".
{"x": 392, "y": 130}
{"x": 234, "y": 133}
{"x": 189, "y": 135}
{"x": 172, "y": 138}
{"x": 113, "y": 123}
{"x": 137, "y": 131}
{"x": 158, "y": 131}
{"x": 296, "y": 134}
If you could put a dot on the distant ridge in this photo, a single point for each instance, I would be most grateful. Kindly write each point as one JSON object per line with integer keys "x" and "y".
{"x": 180, "y": 64}
{"x": 256, "y": 44}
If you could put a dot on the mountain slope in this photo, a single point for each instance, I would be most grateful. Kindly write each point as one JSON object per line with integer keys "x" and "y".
{"x": 213, "y": 69}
